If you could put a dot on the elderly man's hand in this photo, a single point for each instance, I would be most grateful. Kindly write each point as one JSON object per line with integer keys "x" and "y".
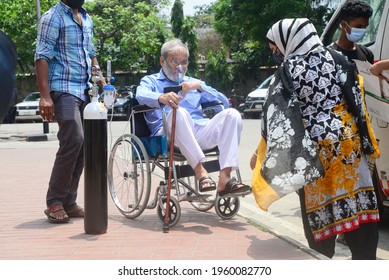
{"x": 170, "y": 98}
{"x": 189, "y": 86}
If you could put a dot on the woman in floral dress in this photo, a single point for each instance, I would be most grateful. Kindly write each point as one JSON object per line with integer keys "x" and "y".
{"x": 317, "y": 137}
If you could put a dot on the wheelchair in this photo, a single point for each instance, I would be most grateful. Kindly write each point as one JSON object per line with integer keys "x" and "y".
{"x": 138, "y": 168}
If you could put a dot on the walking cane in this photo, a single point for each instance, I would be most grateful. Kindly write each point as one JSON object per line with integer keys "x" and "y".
{"x": 171, "y": 154}
{"x": 169, "y": 182}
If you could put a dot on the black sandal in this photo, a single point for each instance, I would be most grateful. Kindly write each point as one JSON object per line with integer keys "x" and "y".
{"x": 234, "y": 188}
{"x": 206, "y": 184}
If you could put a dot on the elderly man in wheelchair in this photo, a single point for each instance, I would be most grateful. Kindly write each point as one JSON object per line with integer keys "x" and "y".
{"x": 193, "y": 133}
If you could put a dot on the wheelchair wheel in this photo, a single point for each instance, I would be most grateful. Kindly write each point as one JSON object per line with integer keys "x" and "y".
{"x": 227, "y": 208}
{"x": 129, "y": 176}
{"x": 174, "y": 211}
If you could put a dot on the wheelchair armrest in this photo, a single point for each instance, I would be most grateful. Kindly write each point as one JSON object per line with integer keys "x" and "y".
{"x": 206, "y": 105}
{"x": 142, "y": 108}
{"x": 175, "y": 89}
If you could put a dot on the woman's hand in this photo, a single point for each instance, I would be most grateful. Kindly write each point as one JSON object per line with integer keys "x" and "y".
{"x": 253, "y": 160}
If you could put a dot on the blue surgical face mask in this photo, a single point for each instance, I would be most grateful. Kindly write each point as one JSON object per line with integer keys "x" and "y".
{"x": 356, "y": 34}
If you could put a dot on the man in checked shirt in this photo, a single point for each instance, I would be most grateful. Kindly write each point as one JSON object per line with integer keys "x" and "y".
{"x": 64, "y": 58}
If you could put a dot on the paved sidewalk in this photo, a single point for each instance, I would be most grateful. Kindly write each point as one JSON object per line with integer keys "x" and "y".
{"x": 25, "y": 233}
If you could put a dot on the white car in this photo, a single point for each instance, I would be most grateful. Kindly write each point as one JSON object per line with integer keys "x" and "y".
{"x": 255, "y": 100}
{"x": 28, "y": 109}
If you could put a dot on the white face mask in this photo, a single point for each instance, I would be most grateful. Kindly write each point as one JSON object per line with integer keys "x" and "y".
{"x": 355, "y": 34}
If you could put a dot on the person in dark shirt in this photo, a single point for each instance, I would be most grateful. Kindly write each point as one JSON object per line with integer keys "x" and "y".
{"x": 354, "y": 15}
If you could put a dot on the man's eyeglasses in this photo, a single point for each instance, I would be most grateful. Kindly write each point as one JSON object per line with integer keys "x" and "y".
{"x": 177, "y": 62}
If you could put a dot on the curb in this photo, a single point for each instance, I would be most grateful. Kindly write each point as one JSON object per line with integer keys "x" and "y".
{"x": 276, "y": 228}
{"x": 40, "y": 137}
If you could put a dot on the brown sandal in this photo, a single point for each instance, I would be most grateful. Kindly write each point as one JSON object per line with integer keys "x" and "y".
{"x": 76, "y": 212}
{"x": 56, "y": 214}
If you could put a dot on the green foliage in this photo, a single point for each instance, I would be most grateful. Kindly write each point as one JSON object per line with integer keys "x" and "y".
{"x": 129, "y": 33}
{"x": 18, "y": 19}
{"x": 183, "y": 28}
{"x": 243, "y": 25}
{"x": 218, "y": 72}
{"x": 177, "y": 17}
{"x": 204, "y": 16}
{"x": 189, "y": 36}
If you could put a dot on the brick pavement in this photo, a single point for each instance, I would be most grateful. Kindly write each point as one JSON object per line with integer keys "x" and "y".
{"x": 25, "y": 233}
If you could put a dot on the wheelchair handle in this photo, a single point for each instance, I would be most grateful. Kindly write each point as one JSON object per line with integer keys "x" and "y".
{"x": 175, "y": 89}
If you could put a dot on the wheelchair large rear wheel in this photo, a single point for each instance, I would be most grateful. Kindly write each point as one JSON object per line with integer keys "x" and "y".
{"x": 227, "y": 208}
{"x": 129, "y": 176}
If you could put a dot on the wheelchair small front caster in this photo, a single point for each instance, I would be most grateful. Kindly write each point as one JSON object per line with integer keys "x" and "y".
{"x": 227, "y": 208}
{"x": 174, "y": 211}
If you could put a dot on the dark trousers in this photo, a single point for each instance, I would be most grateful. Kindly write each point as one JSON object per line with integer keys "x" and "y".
{"x": 362, "y": 242}
{"x": 69, "y": 161}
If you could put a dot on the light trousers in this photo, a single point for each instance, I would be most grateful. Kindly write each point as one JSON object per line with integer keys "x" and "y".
{"x": 223, "y": 131}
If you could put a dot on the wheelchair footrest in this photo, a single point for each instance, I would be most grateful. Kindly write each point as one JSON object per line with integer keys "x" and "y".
{"x": 194, "y": 197}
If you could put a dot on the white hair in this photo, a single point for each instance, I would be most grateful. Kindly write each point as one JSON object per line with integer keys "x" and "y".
{"x": 170, "y": 45}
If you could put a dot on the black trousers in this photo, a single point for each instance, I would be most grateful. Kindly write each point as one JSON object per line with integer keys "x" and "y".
{"x": 362, "y": 242}
{"x": 69, "y": 161}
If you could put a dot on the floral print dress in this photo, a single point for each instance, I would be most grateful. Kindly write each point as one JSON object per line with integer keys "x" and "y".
{"x": 344, "y": 197}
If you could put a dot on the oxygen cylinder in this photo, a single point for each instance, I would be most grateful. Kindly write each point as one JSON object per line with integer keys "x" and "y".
{"x": 95, "y": 170}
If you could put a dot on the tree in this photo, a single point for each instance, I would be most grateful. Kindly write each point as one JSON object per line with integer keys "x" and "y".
{"x": 183, "y": 28}
{"x": 189, "y": 36}
{"x": 243, "y": 25}
{"x": 130, "y": 33}
{"x": 204, "y": 16}
{"x": 208, "y": 38}
{"x": 19, "y": 21}
{"x": 218, "y": 71}
{"x": 177, "y": 17}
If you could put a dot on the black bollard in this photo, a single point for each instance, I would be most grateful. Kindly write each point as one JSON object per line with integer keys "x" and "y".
{"x": 45, "y": 127}
{"x": 95, "y": 170}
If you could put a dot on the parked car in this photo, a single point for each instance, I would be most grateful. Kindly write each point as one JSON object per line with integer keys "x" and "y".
{"x": 28, "y": 109}
{"x": 255, "y": 100}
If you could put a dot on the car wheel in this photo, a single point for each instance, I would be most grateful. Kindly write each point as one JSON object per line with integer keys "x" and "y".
{"x": 246, "y": 115}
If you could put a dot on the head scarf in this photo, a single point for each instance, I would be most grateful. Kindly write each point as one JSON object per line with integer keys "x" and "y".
{"x": 293, "y": 37}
